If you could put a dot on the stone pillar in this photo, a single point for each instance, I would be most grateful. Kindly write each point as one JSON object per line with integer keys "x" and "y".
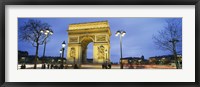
{"x": 99, "y": 54}
{"x": 73, "y": 54}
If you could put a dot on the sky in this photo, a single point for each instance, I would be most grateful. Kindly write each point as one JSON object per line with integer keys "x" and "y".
{"x": 137, "y": 41}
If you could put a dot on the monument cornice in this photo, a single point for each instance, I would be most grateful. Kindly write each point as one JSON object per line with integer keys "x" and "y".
{"x": 89, "y": 25}
{"x": 85, "y": 31}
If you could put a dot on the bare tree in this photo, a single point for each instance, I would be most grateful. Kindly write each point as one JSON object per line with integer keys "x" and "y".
{"x": 170, "y": 38}
{"x": 30, "y": 32}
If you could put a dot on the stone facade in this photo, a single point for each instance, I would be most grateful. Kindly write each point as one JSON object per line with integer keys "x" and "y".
{"x": 81, "y": 34}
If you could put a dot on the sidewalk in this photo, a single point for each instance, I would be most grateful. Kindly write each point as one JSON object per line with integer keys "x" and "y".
{"x": 99, "y": 66}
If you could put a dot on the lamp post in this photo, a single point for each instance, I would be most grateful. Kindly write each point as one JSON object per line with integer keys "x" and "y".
{"x": 106, "y": 51}
{"x": 47, "y": 32}
{"x": 52, "y": 60}
{"x": 74, "y": 61}
{"x": 61, "y": 52}
{"x": 121, "y": 33}
{"x": 63, "y": 48}
{"x": 60, "y": 57}
{"x": 24, "y": 63}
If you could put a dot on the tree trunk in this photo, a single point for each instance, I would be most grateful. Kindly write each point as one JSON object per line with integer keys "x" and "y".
{"x": 175, "y": 55}
{"x": 36, "y": 56}
{"x": 176, "y": 60}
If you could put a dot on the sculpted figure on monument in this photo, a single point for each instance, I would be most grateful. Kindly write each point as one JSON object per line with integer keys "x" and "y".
{"x": 101, "y": 52}
{"x": 72, "y": 52}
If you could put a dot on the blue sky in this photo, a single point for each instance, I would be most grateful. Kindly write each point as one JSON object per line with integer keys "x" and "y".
{"x": 137, "y": 41}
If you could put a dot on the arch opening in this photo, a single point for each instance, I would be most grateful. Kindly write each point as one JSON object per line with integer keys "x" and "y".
{"x": 85, "y": 42}
{"x": 90, "y": 51}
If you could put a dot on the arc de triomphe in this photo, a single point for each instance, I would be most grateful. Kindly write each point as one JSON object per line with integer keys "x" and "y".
{"x": 81, "y": 34}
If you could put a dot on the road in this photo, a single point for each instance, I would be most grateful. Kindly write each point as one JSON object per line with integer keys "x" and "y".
{"x": 99, "y": 66}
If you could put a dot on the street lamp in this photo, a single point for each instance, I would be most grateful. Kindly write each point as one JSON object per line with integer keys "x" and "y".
{"x": 24, "y": 63}
{"x": 52, "y": 60}
{"x": 121, "y": 33}
{"x": 106, "y": 51}
{"x": 61, "y": 52}
{"x": 60, "y": 56}
{"x": 63, "y": 48}
{"x": 47, "y": 33}
{"x": 74, "y": 61}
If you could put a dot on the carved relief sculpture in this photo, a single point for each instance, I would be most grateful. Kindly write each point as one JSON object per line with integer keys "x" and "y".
{"x": 89, "y": 36}
{"x": 101, "y": 38}
{"x": 73, "y": 39}
{"x": 101, "y": 52}
{"x": 72, "y": 52}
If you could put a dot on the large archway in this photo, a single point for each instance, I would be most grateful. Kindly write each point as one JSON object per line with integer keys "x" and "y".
{"x": 81, "y": 34}
{"x": 90, "y": 52}
{"x": 84, "y": 45}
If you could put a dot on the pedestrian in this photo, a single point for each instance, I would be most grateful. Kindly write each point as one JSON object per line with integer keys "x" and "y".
{"x": 75, "y": 66}
{"x": 122, "y": 66}
{"x": 24, "y": 66}
{"x": 109, "y": 66}
{"x": 44, "y": 65}
{"x": 51, "y": 66}
{"x": 48, "y": 66}
{"x": 102, "y": 66}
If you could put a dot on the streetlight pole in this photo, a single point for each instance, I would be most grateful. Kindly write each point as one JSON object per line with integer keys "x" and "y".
{"x": 121, "y": 51}
{"x": 74, "y": 61}
{"x": 52, "y": 60}
{"x": 43, "y": 65}
{"x": 106, "y": 58}
{"x": 63, "y": 48}
{"x": 121, "y": 33}
{"x": 61, "y": 52}
{"x": 47, "y": 32}
{"x": 45, "y": 42}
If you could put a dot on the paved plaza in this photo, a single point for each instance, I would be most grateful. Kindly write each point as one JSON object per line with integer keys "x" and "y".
{"x": 99, "y": 66}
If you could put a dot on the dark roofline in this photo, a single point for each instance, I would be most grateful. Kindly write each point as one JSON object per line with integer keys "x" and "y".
{"x": 166, "y": 55}
{"x": 133, "y": 58}
{"x": 163, "y": 56}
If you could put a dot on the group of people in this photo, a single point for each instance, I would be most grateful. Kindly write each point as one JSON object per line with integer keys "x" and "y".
{"x": 106, "y": 66}
{"x": 53, "y": 66}
{"x": 59, "y": 66}
{"x": 49, "y": 66}
{"x": 23, "y": 66}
